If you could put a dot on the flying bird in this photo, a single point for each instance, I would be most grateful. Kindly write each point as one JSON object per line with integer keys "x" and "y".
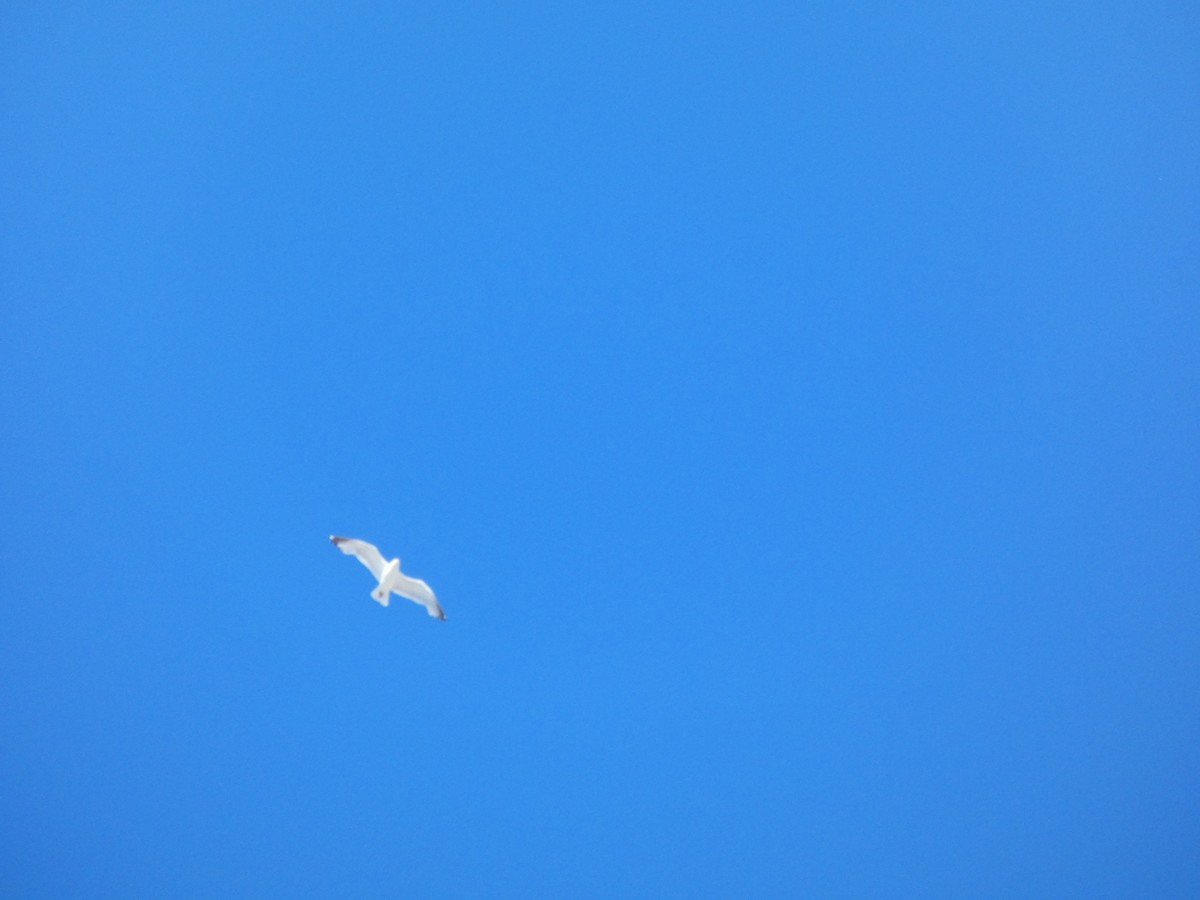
{"x": 391, "y": 579}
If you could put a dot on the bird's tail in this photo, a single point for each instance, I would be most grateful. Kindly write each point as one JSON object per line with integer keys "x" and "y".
{"x": 381, "y": 596}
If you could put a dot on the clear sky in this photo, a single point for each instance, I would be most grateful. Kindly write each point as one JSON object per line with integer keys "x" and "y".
{"x": 796, "y": 408}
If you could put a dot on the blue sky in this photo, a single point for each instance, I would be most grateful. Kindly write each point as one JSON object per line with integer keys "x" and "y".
{"x": 794, "y": 406}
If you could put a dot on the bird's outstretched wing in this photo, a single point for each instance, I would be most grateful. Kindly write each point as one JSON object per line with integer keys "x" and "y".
{"x": 368, "y": 554}
{"x": 419, "y": 592}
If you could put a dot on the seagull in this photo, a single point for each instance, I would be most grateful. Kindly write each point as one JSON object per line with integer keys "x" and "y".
{"x": 391, "y": 579}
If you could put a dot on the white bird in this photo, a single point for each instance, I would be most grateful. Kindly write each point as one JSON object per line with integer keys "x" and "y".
{"x": 391, "y": 579}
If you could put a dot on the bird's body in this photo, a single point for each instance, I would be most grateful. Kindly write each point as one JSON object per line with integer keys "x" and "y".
{"x": 391, "y": 579}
